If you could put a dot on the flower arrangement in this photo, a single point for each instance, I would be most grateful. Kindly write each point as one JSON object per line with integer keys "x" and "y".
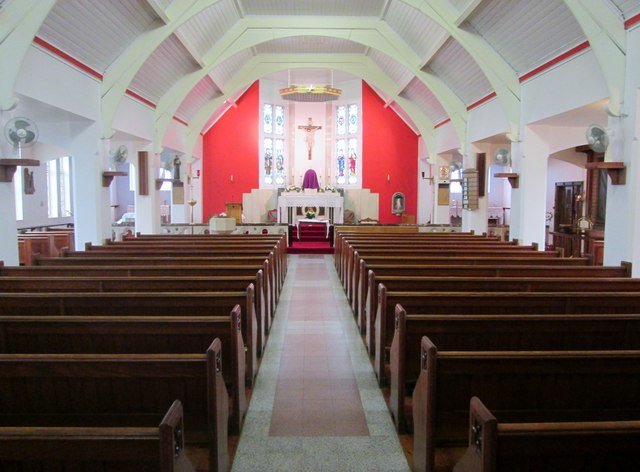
{"x": 310, "y": 214}
{"x": 293, "y": 188}
{"x": 330, "y": 188}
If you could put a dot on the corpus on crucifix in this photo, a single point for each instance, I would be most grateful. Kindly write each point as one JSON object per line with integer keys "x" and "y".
{"x": 309, "y": 130}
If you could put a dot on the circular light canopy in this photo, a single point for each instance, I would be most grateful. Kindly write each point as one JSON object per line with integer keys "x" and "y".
{"x": 310, "y": 93}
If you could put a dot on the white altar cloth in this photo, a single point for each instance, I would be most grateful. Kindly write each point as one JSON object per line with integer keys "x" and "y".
{"x": 332, "y": 202}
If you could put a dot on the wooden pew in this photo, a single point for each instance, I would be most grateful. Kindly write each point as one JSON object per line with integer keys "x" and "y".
{"x": 538, "y": 386}
{"x": 44, "y": 244}
{"x": 586, "y": 446}
{"x": 32, "y": 247}
{"x": 140, "y": 304}
{"x": 280, "y": 241}
{"x": 272, "y": 250}
{"x": 364, "y": 296}
{"x": 485, "y": 284}
{"x": 497, "y": 259}
{"x": 134, "y": 335}
{"x": 95, "y": 390}
{"x": 462, "y": 303}
{"x": 192, "y": 261}
{"x": 498, "y": 333}
{"x": 108, "y": 449}
{"x": 156, "y": 272}
{"x": 402, "y": 247}
{"x": 342, "y": 239}
{"x": 153, "y": 284}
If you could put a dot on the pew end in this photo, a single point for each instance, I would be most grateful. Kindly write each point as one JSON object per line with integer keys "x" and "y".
{"x": 587, "y": 446}
{"x": 112, "y": 448}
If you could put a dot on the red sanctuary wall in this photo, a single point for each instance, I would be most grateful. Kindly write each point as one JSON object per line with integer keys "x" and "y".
{"x": 390, "y": 147}
{"x": 230, "y": 147}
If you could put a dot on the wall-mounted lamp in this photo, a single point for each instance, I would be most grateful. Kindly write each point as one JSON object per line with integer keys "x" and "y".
{"x": 231, "y": 178}
{"x": 430, "y": 179}
{"x": 388, "y": 178}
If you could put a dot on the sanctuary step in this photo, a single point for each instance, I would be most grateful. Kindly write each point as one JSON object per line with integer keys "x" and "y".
{"x": 310, "y": 239}
{"x": 311, "y": 232}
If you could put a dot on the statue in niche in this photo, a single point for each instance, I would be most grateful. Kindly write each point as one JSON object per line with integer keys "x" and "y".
{"x": 176, "y": 168}
{"x": 27, "y": 182}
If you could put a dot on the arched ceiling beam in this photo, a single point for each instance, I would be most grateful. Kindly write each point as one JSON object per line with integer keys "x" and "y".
{"x": 608, "y": 39}
{"x": 120, "y": 74}
{"x": 500, "y": 74}
{"x": 19, "y": 23}
{"x": 370, "y": 33}
{"x": 360, "y": 66}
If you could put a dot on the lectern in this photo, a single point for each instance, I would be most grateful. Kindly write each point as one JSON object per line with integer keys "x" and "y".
{"x": 234, "y": 210}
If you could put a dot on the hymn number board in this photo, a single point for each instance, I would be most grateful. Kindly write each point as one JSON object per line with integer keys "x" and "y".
{"x": 470, "y": 189}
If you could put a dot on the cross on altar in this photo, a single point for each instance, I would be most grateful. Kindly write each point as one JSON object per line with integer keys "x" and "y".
{"x": 309, "y": 130}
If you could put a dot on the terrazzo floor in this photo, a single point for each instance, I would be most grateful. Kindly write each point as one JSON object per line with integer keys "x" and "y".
{"x": 316, "y": 405}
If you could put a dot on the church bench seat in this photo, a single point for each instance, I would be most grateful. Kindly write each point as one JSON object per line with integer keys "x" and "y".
{"x": 502, "y": 257}
{"x": 44, "y": 244}
{"x": 356, "y": 279}
{"x": 134, "y": 335}
{"x": 141, "y": 304}
{"x": 485, "y": 284}
{"x": 343, "y": 237}
{"x": 497, "y": 333}
{"x": 153, "y": 284}
{"x": 588, "y": 446}
{"x": 355, "y": 256}
{"x": 109, "y": 390}
{"x": 414, "y": 270}
{"x": 532, "y": 386}
{"x": 165, "y": 260}
{"x": 478, "y": 303}
{"x": 162, "y": 273}
{"x": 347, "y": 257}
{"x": 274, "y": 262}
{"x": 279, "y": 240}
{"x": 108, "y": 449}
{"x": 402, "y": 246}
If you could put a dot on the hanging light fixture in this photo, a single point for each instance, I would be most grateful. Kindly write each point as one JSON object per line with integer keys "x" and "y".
{"x": 310, "y": 93}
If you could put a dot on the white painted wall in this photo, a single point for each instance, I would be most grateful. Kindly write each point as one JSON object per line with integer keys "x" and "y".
{"x": 556, "y": 90}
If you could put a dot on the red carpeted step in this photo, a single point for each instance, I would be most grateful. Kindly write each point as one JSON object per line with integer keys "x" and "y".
{"x": 305, "y": 247}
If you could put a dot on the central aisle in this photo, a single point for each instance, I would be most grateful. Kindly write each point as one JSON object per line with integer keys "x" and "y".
{"x": 316, "y": 405}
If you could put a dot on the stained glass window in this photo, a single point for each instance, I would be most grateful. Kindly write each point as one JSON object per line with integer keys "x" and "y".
{"x": 267, "y": 119}
{"x": 341, "y": 120}
{"x": 280, "y": 161}
{"x": 347, "y": 132}
{"x": 279, "y": 120}
{"x": 268, "y": 160}
{"x": 353, "y": 119}
{"x": 273, "y": 148}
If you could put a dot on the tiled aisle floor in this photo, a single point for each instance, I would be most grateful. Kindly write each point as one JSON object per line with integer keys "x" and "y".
{"x": 316, "y": 405}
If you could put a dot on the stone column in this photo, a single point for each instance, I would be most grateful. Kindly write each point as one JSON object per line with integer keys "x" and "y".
{"x": 528, "y": 202}
{"x": 91, "y": 210}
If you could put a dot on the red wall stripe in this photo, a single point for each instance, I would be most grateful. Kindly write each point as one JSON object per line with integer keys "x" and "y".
{"x": 443, "y": 122}
{"x": 140, "y": 98}
{"x": 632, "y": 21}
{"x": 481, "y": 101}
{"x": 58, "y": 52}
{"x": 180, "y": 120}
{"x": 553, "y": 62}
{"x": 70, "y": 59}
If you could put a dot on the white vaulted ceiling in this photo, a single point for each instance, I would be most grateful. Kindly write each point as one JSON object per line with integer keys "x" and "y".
{"x": 432, "y": 59}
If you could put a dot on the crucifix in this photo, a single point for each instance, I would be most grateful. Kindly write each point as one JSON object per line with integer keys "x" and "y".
{"x": 309, "y": 130}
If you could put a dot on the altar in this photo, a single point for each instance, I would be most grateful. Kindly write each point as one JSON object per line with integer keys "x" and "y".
{"x": 332, "y": 202}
